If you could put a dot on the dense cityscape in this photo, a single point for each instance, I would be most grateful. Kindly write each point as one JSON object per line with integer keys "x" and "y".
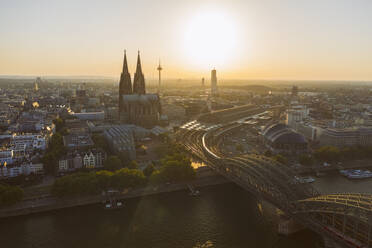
{"x": 63, "y": 140}
{"x": 255, "y": 132}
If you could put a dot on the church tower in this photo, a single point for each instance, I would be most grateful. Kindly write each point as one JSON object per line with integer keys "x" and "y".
{"x": 139, "y": 80}
{"x": 125, "y": 85}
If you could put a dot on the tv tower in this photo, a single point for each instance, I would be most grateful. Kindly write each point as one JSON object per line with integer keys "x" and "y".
{"x": 159, "y": 69}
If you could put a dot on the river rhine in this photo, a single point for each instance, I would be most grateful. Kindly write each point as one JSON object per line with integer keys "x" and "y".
{"x": 223, "y": 216}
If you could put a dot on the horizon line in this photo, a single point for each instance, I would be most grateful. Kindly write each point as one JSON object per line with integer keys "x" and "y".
{"x": 14, "y": 76}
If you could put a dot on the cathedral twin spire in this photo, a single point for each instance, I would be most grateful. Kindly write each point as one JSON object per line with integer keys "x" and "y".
{"x": 125, "y": 85}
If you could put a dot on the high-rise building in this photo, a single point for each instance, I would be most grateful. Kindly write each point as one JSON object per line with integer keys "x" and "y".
{"x": 36, "y": 84}
{"x": 214, "y": 88}
{"x": 135, "y": 106}
{"x": 294, "y": 90}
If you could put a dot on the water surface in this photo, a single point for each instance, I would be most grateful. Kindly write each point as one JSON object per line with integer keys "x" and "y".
{"x": 224, "y": 216}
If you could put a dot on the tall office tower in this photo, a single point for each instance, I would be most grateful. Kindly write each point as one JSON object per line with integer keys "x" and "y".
{"x": 36, "y": 84}
{"x": 159, "y": 69}
{"x": 294, "y": 90}
{"x": 203, "y": 83}
{"x": 214, "y": 88}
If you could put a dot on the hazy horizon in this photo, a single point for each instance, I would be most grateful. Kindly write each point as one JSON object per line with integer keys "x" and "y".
{"x": 191, "y": 81}
{"x": 244, "y": 40}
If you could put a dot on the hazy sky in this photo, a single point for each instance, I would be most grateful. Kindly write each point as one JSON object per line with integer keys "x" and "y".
{"x": 243, "y": 39}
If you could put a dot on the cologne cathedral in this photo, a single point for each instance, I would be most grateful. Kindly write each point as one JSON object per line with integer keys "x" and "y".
{"x": 135, "y": 106}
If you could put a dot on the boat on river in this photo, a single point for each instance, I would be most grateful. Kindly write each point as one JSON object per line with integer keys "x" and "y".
{"x": 305, "y": 179}
{"x": 356, "y": 174}
{"x": 113, "y": 204}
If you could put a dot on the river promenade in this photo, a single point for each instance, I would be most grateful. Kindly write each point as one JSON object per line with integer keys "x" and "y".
{"x": 49, "y": 202}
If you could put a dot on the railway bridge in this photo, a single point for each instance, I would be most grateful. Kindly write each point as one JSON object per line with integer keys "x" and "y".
{"x": 346, "y": 219}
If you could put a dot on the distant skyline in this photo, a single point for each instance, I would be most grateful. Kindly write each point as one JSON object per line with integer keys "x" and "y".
{"x": 243, "y": 39}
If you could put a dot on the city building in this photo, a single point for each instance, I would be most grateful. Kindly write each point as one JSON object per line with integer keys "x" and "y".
{"x": 77, "y": 161}
{"x": 77, "y": 141}
{"x": 94, "y": 159}
{"x": 214, "y": 88}
{"x": 294, "y": 90}
{"x": 91, "y": 159}
{"x": 280, "y": 138}
{"x": 6, "y": 156}
{"x": 23, "y": 169}
{"x": 355, "y": 136}
{"x": 65, "y": 164}
{"x": 121, "y": 140}
{"x": 135, "y": 106}
{"x": 37, "y": 83}
{"x": 90, "y": 116}
{"x": 296, "y": 114}
{"x": 29, "y": 141}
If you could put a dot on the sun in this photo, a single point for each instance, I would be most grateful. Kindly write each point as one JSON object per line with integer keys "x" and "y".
{"x": 210, "y": 39}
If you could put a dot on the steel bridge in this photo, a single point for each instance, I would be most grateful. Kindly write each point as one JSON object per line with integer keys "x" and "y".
{"x": 343, "y": 218}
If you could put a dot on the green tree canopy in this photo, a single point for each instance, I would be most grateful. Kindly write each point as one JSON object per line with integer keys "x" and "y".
{"x": 175, "y": 168}
{"x": 149, "y": 170}
{"x": 113, "y": 163}
{"x": 239, "y": 148}
{"x": 306, "y": 160}
{"x": 94, "y": 182}
{"x": 100, "y": 142}
{"x": 59, "y": 123}
{"x": 55, "y": 150}
{"x": 327, "y": 154}
{"x": 10, "y": 194}
{"x": 133, "y": 165}
{"x": 281, "y": 159}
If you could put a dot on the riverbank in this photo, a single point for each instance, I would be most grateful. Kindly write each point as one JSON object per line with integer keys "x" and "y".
{"x": 354, "y": 164}
{"x": 49, "y": 203}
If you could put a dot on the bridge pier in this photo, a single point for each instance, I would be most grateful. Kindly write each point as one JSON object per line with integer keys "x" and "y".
{"x": 288, "y": 226}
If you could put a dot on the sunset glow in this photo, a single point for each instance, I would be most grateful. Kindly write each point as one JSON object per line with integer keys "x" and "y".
{"x": 210, "y": 40}
{"x": 244, "y": 39}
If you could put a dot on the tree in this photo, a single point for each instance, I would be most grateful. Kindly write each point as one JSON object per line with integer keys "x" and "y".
{"x": 104, "y": 179}
{"x": 124, "y": 157}
{"x": 162, "y": 150}
{"x": 113, "y": 163}
{"x": 10, "y": 194}
{"x": 306, "y": 160}
{"x": 76, "y": 184}
{"x": 156, "y": 177}
{"x": 268, "y": 153}
{"x": 239, "y": 148}
{"x": 59, "y": 123}
{"x": 133, "y": 165}
{"x": 164, "y": 137}
{"x": 100, "y": 142}
{"x": 149, "y": 170}
{"x": 281, "y": 159}
{"x": 55, "y": 150}
{"x": 327, "y": 154}
{"x": 125, "y": 178}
